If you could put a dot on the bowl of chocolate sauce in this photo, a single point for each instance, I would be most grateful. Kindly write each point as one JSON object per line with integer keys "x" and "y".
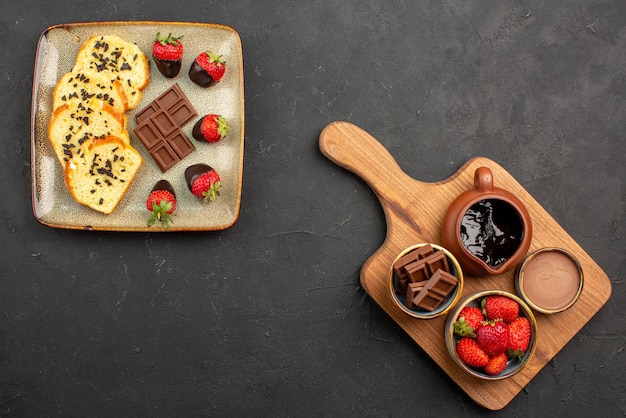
{"x": 487, "y": 228}
{"x": 550, "y": 280}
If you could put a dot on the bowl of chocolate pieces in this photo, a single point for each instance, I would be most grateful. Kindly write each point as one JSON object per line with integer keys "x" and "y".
{"x": 491, "y": 334}
{"x": 425, "y": 281}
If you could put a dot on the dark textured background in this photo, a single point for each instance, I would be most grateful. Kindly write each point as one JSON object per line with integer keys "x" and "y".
{"x": 268, "y": 318}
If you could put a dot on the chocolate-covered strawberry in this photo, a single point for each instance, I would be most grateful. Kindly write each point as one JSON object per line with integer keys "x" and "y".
{"x": 161, "y": 203}
{"x": 203, "y": 181}
{"x": 167, "y": 53}
{"x": 208, "y": 68}
{"x": 210, "y": 128}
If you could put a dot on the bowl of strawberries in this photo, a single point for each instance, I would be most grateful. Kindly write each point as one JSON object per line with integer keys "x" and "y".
{"x": 491, "y": 334}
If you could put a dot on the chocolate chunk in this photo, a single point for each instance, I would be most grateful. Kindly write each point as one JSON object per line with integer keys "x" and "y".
{"x": 427, "y": 300}
{"x": 412, "y": 291}
{"x": 437, "y": 261}
{"x": 182, "y": 113}
{"x": 444, "y": 282}
{"x": 424, "y": 251}
{"x": 402, "y": 285}
{"x": 413, "y": 255}
{"x": 164, "y": 156}
{"x": 148, "y": 134}
{"x": 433, "y": 291}
{"x": 170, "y": 98}
{"x": 146, "y": 112}
{"x": 163, "y": 122}
{"x": 417, "y": 271}
{"x": 159, "y": 127}
{"x": 181, "y": 145}
{"x": 398, "y": 266}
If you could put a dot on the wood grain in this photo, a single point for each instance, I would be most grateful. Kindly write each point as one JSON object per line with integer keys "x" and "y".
{"x": 414, "y": 211}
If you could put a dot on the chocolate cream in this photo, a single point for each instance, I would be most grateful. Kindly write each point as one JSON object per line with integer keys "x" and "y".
{"x": 551, "y": 280}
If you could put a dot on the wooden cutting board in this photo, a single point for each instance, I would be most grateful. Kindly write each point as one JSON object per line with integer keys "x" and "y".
{"x": 414, "y": 211}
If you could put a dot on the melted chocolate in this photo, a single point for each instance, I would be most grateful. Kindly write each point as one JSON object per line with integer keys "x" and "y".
{"x": 164, "y": 185}
{"x": 199, "y": 76}
{"x": 169, "y": 69}
{"x": 196, "y": 132}
{"x": 492, "y": 230}
{"x": 194, "y": 171}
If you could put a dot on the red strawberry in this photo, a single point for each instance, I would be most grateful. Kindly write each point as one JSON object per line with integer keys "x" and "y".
{"x": 500, "y": 307}
{"x": 210, "y": 128}
{"x": 208, "y": 68}
{"x": 161, "y": 203}
{"x": 203, "y": 181}
{"x": 469, "y": 320}
{"x": 519, "y": 336}
{"x": 493, "y": 337}
{"x": 168, "y": 54}
{"x": 470, "y": 353}
{"x": 496, "y": 364}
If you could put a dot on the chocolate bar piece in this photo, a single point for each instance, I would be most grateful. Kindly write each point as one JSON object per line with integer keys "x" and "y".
{"x": 434, "y": 291}
{"x": 181, "y": 145}
{"x": 164, "y": 156}
{"x": 411, "y": 291}
{"x": 417, "y": 271}
{"x": 182, "y": 112}
{"x": 444, "y": 282}
{"x": 437, "y": 261}
{"x": 424, "y": 251}
{"x": 400, "y": 263}
{"x": 427, "y": 300}
{"x": 424, "y": 268}
{"x": 145, "y": 113}
{"x": 410, "y": 257}
{"x": 401, "y": 285}
{"x": 159, "y": 127}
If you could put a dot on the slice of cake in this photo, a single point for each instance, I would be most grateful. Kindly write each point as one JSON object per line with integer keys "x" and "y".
{"x": 101, "y": 178}
{"x": 112, "y": 55}
{"x": 79, "y": 86}
{"x": 73, "y": 125}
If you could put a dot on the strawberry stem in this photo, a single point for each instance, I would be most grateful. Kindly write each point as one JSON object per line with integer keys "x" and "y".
{"x": 160, "y": 213}
{"x": 169, "y": 39}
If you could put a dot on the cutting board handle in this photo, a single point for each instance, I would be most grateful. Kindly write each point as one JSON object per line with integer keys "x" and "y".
{"x": 356, "y": 150}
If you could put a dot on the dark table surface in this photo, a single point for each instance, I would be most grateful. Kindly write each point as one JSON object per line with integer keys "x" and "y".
{"x": 268, "y": 317}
